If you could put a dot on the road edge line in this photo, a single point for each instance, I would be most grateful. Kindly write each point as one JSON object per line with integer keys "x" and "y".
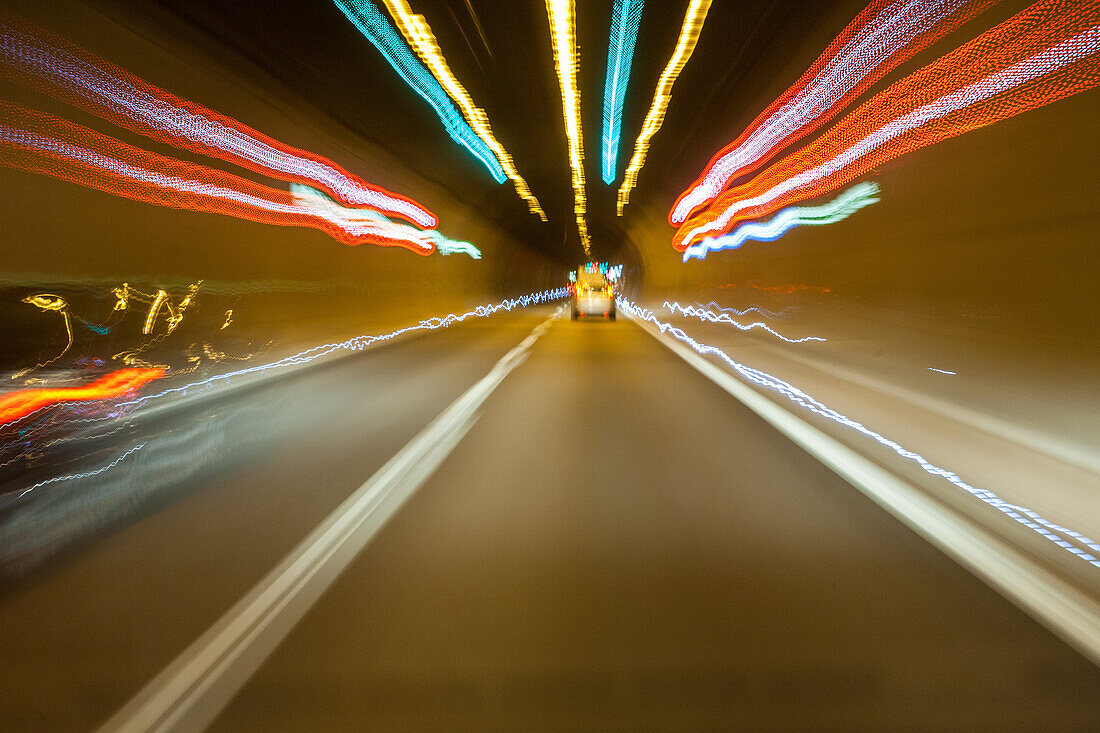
{"x": 1062, "y": 608}
{"x": 190, "y": 692}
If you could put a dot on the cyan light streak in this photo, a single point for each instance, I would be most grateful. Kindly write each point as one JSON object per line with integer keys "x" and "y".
{"x": 705, "y": 315}
{"x": 839, "y": 209}
{"x": 371, "y": 22}
{"x": 625, "y": 17}
{"x": 1069, "y": 540}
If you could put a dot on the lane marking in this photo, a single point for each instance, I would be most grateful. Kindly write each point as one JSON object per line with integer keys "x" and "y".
{"x": 1071, "y": 614}
{"x": 190, "y": 692}
{"x": 1086, "y": 458}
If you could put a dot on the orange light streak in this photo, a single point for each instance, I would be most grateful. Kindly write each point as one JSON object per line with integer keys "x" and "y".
{"x": 19, "y": 404}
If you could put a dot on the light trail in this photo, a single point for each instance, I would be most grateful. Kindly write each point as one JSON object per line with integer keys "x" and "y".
{"x": 317, "y": 200}
{"x": 49, "y": 302}
{"x": 564, "y": 42}
{"x": 713, "y": 305}
{"x": 685, "y": 45}
{"x": 1085, "y": 548}
{"x": 51, "y": 65}
{"x": 418, "y": 34}
{"x": 941, "y": 371}
{"x": 40, "y": 143}
{"x": 357, "y": 343}
{"x": 372, "y": 23}
{"x": 625, "y": 18}
{"x": 20, "y": 403}
{"x": 86, "y": 474}
{"x": 839, "y": 209}
{"x": 706, "y": 315}
{"x": 1036, "y": 57}
{"x": 35, "y": 431}
{"x": 883, "y": 36}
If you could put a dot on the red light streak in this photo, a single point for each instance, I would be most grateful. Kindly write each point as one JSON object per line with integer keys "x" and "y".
{"x": 19, "y": 404}
{"x": 1038, "y": 56}
{"x": 886, "y": 34}
{"x": 52, "y": 65}
{"x": 40, "y": 143}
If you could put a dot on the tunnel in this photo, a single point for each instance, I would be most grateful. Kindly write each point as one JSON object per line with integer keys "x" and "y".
{"x": 565, "y": 365}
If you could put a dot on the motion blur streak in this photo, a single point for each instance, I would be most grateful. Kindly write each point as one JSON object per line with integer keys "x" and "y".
{"x": 705, "y": 315}
{"x": 373, "y": 25}
{"x": 53, "y": 66}
{"x": 625, "y": 17}
{"x": 685, "y": 45}
{"x": 563, "y": 38}
{"x": 1059, "y": 535}
{"x": 40, "y": 143}
{"x": 419, "y": 35}
{"x": 358, "y": 343}
{"x": 884, "y": 35}
{"x": 20, "y": 403}
{"x": 317, "y": 200}
{"x": 86, "y": 474}
{"x": 762, "y": 311}
{"x": 57, "y": 304}
{"x": 839, "y": 209}
{"x": 1045, "y": 53}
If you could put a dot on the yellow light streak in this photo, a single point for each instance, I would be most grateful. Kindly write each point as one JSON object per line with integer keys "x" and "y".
{"x": 418, "y": 34}
{"x": 685, "y": 45}
{"x": 564, "y": 41}
{"x": 49, "y": 302}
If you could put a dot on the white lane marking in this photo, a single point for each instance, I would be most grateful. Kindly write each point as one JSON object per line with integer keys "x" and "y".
{"x": 1068, "y": 612}
{"x": 1087, "y": 458}
{"x": 190, "y": 692}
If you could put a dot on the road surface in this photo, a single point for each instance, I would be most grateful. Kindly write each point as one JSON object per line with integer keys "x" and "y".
{"x": 615, "y": 544}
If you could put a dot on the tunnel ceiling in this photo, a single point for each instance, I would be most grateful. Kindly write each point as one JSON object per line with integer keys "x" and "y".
{"x": 501, "y": 52}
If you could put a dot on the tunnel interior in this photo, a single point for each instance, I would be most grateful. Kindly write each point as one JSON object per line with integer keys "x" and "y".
{"x": 290, "y": 282}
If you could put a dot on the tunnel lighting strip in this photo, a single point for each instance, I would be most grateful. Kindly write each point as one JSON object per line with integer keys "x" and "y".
{"x": 358, "y": 343}
{"x": 418, "y": 34}
{"x": 53, "y": 66}
{"x": 563, "y": 40}
{"x": 839, "y": 209}
{"x": 316, "y": 200}
{"x": 625, "y": 18}
{"x": 1036, "y": 57}
{"x": 372, "y": 23}
{"x": 707, "y": 315}
{"x": 685, "y": 45}
{"x": 882, "y": 37}
{"x": 109, "y": 165}
{"x": 1027, "y": 517}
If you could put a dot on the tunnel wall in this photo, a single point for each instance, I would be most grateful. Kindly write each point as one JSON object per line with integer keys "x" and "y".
{"x": 997, "y": 226}
{"x": 289, "y": 284}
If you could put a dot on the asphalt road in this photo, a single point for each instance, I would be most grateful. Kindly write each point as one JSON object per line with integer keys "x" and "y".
{"x": 616, "y": 544}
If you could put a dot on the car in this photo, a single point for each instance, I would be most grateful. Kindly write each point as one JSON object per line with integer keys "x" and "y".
{"x": 593, "y": 295}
